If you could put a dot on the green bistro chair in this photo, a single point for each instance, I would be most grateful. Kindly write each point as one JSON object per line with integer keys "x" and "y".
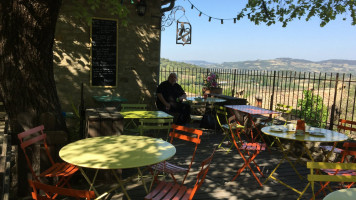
{"x": 285, "y": 110}
{"x": 222, "y": 119}
{"x": 155, "y": 125}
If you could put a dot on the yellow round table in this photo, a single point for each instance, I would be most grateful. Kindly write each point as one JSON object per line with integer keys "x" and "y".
{"x": 279, "y": 132}
{"x": 344, "y": 194}
{"x": 116, "y": 152}
{"x": 138, "y": 114}
{"x": 326, "y": 135}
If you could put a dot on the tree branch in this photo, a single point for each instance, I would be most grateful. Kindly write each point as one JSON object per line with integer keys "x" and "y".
{"x": 170, "y": 7}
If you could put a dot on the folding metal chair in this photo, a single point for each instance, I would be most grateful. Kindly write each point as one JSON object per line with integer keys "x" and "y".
{"x": 343, "y": 126}
{"x": 221, "y": 117}
{"x": 178, "y": 133}
{"x": 62, "y": 170}
{"x": 284, "y": 110}
{"x": 155, "y": 125}
{"x": 131, "y": 125}
{"x": 51, "y": 192}
{"x": 348, "y": 156}
{"x": 169, "y": 190}
{"x": 336, "y": 177}
{"x": 248, "y": 152}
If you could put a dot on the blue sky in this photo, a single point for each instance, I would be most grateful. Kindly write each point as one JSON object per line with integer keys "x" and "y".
{"x": 229, "y": 42}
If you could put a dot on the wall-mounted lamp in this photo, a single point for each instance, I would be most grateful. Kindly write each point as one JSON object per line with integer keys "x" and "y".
{"x": 141, "y": 7}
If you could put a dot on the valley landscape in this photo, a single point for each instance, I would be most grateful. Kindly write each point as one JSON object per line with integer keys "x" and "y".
{"x": 278, "y": 64}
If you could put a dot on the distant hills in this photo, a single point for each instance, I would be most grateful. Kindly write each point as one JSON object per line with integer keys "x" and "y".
{"x": 284, "y": 64}
{"x": 200, "y": 63}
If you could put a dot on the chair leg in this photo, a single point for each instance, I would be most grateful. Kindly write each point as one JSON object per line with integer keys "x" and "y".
{"x": 227, "y": 136}
{"x": 247, "y": 164}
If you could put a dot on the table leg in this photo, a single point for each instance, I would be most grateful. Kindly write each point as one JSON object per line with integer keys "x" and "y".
{"x": 121, "y": 184}
{"x": 285, "y": 157}
{"x": 142, "y": 178}
{"x": 91, "y": 183}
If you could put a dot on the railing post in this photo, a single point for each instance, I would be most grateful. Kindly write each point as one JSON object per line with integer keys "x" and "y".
{"x": 272, "y": 96}
{"x": 334, "y": 104}
{"x": 233, "y": 86}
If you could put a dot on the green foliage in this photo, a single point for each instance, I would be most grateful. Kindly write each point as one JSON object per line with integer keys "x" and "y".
{"x": 312, "y": 109}
{"x": 284, "y": 11}
{"x": 113, "y": 7}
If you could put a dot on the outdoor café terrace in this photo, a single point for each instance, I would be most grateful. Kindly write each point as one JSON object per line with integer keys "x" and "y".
{"x": 225, "y": 164}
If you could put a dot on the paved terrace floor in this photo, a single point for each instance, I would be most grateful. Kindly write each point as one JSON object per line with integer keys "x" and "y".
{"x": 218, "y": 184}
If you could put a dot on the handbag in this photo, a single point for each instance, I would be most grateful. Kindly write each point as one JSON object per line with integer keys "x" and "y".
{"x": 208, "y": 121}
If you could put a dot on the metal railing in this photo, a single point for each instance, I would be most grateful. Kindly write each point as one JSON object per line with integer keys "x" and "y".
{"x": 319, "y": 98}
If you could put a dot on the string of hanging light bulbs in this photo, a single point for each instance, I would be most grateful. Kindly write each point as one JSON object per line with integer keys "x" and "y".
{"x": 210, "y": 17}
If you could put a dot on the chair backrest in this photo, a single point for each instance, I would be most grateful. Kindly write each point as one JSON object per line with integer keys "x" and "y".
{"x": 233, "y": 122}
{"x": 348, "y": 153}
{"x": 131, "y": 107}
{"x": 331, "y": 178}
{"x": 31, "y": 137}
{"x": 221, "y": 115}
{"x": 177, "y": 133}
{"x": 346, "y": 125}
{"x": 177, "y": 128}
{"x": 49, "y": 190}
{"x": 204, "y": 168}
{"x": 155, "y": 124}
{"x": 312, "y": 177}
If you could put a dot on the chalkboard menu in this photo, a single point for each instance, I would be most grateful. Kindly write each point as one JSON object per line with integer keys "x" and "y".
{"x": 103, "y": 52}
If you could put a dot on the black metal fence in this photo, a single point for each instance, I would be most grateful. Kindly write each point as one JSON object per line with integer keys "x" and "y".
{"x": 319, "y": 98}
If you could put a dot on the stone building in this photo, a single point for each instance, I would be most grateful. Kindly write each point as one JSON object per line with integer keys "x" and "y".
{"x": 138, "y": 55}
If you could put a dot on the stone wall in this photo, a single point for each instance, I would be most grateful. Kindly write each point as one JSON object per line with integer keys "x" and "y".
{"x": 138, "y": 55}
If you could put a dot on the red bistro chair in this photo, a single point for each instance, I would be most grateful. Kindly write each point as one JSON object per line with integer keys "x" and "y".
{"x": 344, "y": 125}
{"x": 247, "y": 151}
{"x": 63, "y": 170}
{"x": 170, "y": 168}
{"x": 49, "y": 190}
{"x": 169, "y": 190}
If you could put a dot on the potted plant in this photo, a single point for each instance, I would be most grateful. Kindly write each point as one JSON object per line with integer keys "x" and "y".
{"x": 211, "y": 85}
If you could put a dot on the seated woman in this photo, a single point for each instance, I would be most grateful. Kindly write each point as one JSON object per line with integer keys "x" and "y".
{"x": 169, "y": 99}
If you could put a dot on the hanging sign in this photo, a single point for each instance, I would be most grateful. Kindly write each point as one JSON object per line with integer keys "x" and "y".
{"x": 184, "y": 33}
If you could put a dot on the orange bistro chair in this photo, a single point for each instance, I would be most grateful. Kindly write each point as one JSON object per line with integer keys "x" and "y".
{"x": 344, "y": 125}
{"x": 177, "y": 131}
{"x": 246, "y": 149}
{"x": 169, "y": 190}
{"x": 62, "y": 170}
{"x": 49, "y": 190}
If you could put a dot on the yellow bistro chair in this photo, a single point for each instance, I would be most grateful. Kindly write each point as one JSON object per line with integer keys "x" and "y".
{"x": 339, "y": 177}
{"x": 131, "y": 107}
{"x": 131, "y": 124}
{"x": 222, "y": 119}
{"x": 155, "y": 125}
{"x": 285, "y": 110}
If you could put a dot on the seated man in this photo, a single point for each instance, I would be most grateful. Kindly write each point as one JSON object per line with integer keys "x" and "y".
{"x": 169, "y": 99}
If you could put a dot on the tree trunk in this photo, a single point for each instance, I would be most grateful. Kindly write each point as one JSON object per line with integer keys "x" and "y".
{"x": 27, "y": 83}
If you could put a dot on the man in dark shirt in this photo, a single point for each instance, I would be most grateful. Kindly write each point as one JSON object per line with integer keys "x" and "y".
{"x": 169, "y": 99}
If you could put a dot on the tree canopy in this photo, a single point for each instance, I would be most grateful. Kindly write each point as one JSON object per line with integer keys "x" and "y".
{"x": 284, "y": 11}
